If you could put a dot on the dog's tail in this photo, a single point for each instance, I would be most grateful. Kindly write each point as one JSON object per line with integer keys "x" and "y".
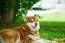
{"x": 1, "y": 39}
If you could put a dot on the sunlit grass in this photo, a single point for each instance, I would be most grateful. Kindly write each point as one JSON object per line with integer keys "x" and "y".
{"x": 58, "y": 16}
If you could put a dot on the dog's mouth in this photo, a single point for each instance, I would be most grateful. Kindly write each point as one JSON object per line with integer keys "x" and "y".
{"x": 35, "y": 27}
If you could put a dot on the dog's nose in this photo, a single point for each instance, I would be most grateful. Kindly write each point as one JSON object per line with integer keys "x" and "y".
{"x": 36, "y": 24}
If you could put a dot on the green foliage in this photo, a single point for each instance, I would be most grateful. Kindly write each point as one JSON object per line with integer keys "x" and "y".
{"x": 3, "y": 6}
{"x": 19, "y": 7}
{"x": 27, "y": 4}
{"x": 22, "y": 7}
{"x": 40, "y": 17}
{"x": 37, "y": 8}
{"x": 18, "y": 18}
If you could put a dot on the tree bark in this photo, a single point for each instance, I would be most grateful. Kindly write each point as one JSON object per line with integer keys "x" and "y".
{"x": 7, "y": 17}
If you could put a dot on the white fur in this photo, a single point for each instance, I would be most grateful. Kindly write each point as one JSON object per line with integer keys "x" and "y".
{"x": 33, "y": 37}
{"x": 37, "y": 41}
{"x": 33, "y": 24}
{"x": 18, "y": 40}
{"x": 30, "y": 26}
{"x": 38, "y": 37}
{"x": 43, "y": 41}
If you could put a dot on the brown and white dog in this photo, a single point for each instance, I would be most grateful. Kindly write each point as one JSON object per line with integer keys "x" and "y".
{"x": 24, "y": 33}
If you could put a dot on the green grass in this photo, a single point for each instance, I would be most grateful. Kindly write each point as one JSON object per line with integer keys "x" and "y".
{"x": 52, "y": 23}
{"x": 51, "y": 35}
{"x": 52, "y": 26}
{"x": 52, "y": 30}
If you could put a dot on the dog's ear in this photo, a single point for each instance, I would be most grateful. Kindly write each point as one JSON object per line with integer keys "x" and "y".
{"x": 35, "y": 15}
{"x": 26, "y": 17}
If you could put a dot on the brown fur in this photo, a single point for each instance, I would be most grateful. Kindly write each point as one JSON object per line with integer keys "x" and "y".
{"x": 12, "y": 35}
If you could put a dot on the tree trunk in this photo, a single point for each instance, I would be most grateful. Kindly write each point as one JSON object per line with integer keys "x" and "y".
{"x": 7, "y": 17}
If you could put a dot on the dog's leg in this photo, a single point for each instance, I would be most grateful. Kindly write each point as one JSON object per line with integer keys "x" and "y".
{"x": 32, "y": 37}
{"x": 38, "y": 37}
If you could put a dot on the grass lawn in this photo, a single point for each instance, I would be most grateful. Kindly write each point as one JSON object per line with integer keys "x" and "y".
{"x": 52, "y": 26}
{"x": 53, "y": 31}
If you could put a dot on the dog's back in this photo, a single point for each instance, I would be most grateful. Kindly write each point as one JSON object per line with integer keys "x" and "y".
{"x": 8, "y": 36}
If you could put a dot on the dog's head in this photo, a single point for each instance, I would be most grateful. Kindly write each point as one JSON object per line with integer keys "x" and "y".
{"x": 32, "y": 22}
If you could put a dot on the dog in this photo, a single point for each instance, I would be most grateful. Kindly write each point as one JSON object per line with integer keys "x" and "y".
{"x": 27, "y": 31}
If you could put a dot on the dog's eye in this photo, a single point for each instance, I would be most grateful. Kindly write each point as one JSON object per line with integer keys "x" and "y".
{"x": 28, "y": 17}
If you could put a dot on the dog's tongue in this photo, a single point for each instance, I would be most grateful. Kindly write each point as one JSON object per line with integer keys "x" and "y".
{"x": 36, "y": 28}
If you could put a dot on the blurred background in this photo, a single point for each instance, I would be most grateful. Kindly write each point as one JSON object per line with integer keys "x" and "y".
{"x": 51, "y": 15}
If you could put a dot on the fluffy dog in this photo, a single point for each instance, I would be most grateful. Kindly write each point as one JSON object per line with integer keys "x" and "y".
{"x": 24, "y": 33}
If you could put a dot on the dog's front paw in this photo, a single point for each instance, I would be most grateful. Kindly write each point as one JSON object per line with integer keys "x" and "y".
{"x": 32, "y": 37}
{"x": 37, "y": 41}
{"x": 38, "y": 37}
